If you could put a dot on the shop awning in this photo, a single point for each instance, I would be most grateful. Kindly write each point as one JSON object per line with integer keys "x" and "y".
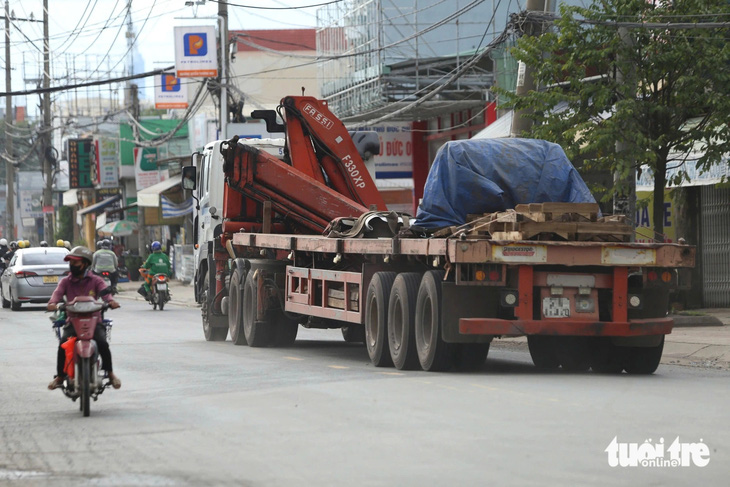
{"x": 97, "y": 207}
{"x": 150, "y": 197}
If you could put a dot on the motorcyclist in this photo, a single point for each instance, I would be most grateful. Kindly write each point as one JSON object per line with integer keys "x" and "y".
{"x": 4, "y": 249}
{"x": 157, "y": 263}
{"x": 81, "y": 282}
{"x": 12, "y": 247}
{"x": 105, "y": 260}
{"x": 44, "y": 243}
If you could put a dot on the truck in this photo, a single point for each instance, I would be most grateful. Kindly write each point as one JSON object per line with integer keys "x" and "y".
{"x": 293, "y": 232}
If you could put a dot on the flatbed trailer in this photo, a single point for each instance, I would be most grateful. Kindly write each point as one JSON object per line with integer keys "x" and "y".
{"x": 439, "y": 298}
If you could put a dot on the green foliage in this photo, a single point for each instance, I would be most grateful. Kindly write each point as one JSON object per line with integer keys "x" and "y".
{"x": 662, "y": 92}
{"x": 64, "y": 224}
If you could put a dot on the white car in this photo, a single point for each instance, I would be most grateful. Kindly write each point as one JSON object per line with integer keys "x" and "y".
{"x": 32, "y": 276}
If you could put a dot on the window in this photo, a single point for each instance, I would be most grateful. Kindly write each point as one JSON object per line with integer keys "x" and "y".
{"x": 46, "y": 258}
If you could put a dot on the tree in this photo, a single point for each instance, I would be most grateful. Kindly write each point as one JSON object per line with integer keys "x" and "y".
{"x": 673, "y": 112}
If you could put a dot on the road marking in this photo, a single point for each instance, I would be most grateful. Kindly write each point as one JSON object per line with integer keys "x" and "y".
{"x": 293, "y": 358}
{"x": 485, "y": 387}
{"x": 337, "y": 367}
{"x": 391, "y": 373}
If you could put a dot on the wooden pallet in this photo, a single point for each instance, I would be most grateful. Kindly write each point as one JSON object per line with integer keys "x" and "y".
{"x": 548, "y": 221}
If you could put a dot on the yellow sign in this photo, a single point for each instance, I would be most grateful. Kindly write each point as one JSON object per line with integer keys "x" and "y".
{"x": 645, "y": 219}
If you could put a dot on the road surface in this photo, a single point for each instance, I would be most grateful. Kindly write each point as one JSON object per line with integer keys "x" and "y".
{"x": 193, "y": 413}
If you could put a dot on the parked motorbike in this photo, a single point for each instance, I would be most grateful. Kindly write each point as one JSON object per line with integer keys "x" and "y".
{"x": 159, "y": 292}
{"x": 85, "y": 379}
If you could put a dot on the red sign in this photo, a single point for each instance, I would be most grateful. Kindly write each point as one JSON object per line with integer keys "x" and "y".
{"x": 48, "y": 209}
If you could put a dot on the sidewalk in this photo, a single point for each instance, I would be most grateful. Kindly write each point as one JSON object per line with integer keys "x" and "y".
{"x": 181, "y": 294}
{"x": 700, "y": 338}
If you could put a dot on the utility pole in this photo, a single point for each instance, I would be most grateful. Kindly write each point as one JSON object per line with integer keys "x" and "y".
{"x": 624, "y": 202}
{"x": 9, "y": 168}
{"x": 223, "y": 28}
{"x": 525, "y": 81}
{"x": 46, "y": 147}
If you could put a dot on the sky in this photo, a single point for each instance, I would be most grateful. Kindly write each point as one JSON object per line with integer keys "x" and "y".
{"x": 88, "y": 42}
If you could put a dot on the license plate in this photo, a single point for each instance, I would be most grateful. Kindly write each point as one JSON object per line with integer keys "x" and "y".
{"x": 556, "y": 307}
{"x": 50, "y": 279}
{"x": 162, "y": 287}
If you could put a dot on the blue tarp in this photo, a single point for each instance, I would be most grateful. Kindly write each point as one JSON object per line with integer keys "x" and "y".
{"x": 486, "y": 175}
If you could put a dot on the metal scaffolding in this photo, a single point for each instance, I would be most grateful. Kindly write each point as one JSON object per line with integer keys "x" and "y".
{"x": 378, "y": 56}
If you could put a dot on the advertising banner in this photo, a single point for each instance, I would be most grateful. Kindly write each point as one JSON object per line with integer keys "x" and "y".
{"x": 80, "y": 163}
{"x": 395, "y": 160}
{"x": 107, "y": 162}
{"x": 145, "y": 167}
{"x": 195, "y": 52}
{"x": 170, "y": 93}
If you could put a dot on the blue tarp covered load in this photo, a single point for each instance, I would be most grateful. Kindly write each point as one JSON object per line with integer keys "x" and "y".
{"x": 487, "y": 175}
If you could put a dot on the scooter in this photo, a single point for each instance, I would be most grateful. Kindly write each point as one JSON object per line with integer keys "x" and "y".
{"x": 106, "y": 275}
{"x": 84, "y": 377}
{"x": 159, "y": 292}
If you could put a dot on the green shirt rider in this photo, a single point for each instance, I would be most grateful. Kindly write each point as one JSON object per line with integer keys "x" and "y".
{"x": 156, "y": 263}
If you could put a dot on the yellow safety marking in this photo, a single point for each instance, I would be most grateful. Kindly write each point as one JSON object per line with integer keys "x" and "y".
{"x": 337, "y": 367}
{"x": 485, "y": 387}
{"x": 390, "y": 373}
{"x": 293, "y": 358}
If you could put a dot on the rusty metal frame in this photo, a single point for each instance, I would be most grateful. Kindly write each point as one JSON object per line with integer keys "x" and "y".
{"x": 302, "y": 282}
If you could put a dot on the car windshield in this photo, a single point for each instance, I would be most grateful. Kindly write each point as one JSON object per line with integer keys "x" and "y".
{"x": 38, "y": 258}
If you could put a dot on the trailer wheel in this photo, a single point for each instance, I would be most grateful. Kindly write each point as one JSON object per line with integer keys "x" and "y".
{"x": 607, "y": 358}
{"x": 401, "y": 317}
{"x": 644, "y": 360}
{"x": 574, "y": 353}
{"x": 212, "y": 333}
{"x": 285, "y": 329}
{"x": 471, "y": 356}
{"x": 235, "y": 319}
{"x": 353, "y": 333}
{"x": 433, "y": 353}
{"x": 543, "y": 352}
{"x": 376, "y": 318}
{"x": 257, "y": 333}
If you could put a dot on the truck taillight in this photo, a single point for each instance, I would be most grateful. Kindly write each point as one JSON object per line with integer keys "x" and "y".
{"x": 660, "y": 277}
{"x": 482, "y": 274}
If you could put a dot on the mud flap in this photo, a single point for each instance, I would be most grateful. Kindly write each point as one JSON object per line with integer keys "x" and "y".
{"x": 466, "y": 302}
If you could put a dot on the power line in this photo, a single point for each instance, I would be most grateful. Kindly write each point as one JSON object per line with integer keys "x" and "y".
{"x": 92, "y": 83}
{"x": 258, "y": 7}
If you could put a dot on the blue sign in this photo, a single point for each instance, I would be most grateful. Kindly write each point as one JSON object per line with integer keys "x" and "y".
{"x": 195, "y": 44}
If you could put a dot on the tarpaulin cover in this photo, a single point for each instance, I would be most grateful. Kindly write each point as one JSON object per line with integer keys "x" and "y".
{"x": 486, "y": 175}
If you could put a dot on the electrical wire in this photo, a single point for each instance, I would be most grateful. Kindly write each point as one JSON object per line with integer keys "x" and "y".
{"x": 259, "y": 7}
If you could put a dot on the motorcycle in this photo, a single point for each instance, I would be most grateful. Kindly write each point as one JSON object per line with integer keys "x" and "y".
{"x": 106, "y": 275}
{"x": 84, "y": 378}
{"x": 159, "y": 292}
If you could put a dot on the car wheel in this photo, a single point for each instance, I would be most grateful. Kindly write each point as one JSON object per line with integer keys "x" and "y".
{"x": 14, "y": 305}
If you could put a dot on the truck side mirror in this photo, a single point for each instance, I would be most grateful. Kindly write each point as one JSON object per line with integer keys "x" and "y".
{"x": 189, "y": 178}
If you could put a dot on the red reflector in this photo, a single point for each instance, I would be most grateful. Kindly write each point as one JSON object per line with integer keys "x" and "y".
{"x": 493, "y": 276}
{"x": 652, "y": 276}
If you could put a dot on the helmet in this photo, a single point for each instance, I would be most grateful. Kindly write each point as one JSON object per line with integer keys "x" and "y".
{"x": 13, "y": 245}
{"x": 98, "y": 244}
{"x": 21, "y": 244}
{"x": 27, "y": 243}
{"x": 106, "y": 244}
{"x": 3, "y": 242}
{"x": 59, "y": 243}
{"x": 155, "y": 246}
{"x": 67, "y": 244}
{"x": 80, "y": 252}
{"x": 44, "y": 243}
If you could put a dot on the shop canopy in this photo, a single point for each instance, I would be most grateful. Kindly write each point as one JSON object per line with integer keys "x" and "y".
{"x": 150, "y": 197}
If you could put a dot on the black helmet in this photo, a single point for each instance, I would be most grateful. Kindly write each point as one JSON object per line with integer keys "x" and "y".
{"x": 14, "y": 245}
{"x": 106, "y": 244}
{"x": 44, "y": 243}
{"x": 80, "y": 252}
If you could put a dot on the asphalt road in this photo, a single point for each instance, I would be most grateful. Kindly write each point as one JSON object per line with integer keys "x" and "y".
{"x": 193, "y": 413}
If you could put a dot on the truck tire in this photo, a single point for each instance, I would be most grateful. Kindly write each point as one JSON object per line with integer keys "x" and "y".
{"x": 574, "y": 353}
{"x": 212, "y": 332}
{"x": 257, "y": 333}
{"x": 235, "y": 318}
{"x": 644, "y": 360}
{"x": 401, "y": 318}
{"x": 471, "y": 356}
{"x": 543, "y": 352}
{"x": 285, "y": 329}
{"x": 607, "y": 358}
{"x": 376, "y": 318}
{"x": 353, "y": 333}
{"x": 433, "y": 353}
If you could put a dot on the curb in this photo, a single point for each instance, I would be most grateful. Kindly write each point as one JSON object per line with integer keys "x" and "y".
{"x": 136, "y": 297}
{"x": 683, "y": 321}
